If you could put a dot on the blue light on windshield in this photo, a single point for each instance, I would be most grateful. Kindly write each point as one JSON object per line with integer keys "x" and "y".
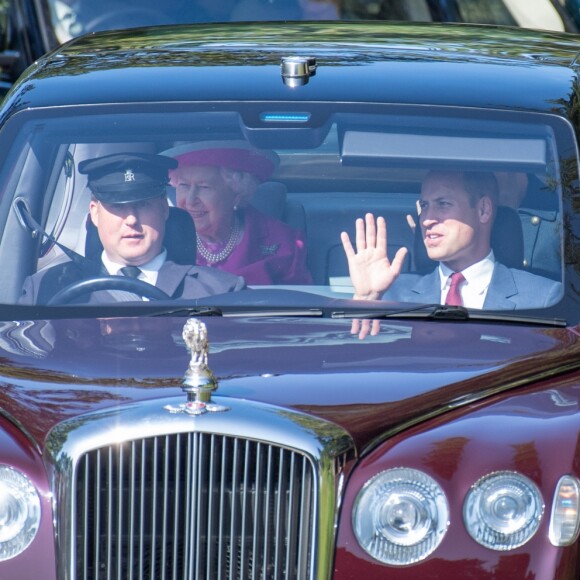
{"x": 285, "y": 117}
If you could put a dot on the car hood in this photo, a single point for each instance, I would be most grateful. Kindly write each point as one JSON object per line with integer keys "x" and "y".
{"x": 53, "y": 371}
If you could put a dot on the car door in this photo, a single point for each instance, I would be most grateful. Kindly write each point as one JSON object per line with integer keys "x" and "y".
{"x": 24, "y": 37}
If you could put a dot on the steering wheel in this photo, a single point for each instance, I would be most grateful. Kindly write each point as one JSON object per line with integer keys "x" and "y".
{"x": 76, "y": 289}
{"x": 126, "y": 18}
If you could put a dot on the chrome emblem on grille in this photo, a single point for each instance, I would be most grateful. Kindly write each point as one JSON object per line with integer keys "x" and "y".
{"x": 198, "y": 382}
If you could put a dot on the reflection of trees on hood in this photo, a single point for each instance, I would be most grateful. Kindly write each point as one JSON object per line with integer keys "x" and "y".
{"x": 337, "y": 43}
{"x": 27, "y": 338}
{"x": 39, "y": 406}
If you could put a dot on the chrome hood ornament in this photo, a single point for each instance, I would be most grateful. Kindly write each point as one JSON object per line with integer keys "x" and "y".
{"x": 198, "y": 382}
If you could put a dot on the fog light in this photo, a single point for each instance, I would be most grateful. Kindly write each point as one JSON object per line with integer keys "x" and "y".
{"x": 503, "y": 510}
{"x": 400, "y": 516}
{"x": 19, "y": 512}
{"x": 565, "y": 518}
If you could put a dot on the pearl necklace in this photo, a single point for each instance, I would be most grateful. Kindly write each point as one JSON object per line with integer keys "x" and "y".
{"x": 216, "y": 257}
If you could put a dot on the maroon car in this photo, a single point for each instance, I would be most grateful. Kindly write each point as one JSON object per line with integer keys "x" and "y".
{"x": 296, "y": 384}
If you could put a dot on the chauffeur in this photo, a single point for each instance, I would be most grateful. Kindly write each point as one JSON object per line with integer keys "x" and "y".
{"x": 129, "y": 208}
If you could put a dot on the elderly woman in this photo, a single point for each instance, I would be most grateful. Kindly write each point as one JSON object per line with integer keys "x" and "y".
{"x": 215, "y": 182}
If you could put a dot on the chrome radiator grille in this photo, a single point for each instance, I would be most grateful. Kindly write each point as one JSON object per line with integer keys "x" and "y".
{"x": 194, "y": 506}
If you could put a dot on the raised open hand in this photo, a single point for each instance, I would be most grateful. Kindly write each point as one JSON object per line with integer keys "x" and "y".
{"x": 370, "y": 269}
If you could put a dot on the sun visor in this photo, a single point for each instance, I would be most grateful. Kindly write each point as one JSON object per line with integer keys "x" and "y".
{"x": 371, "y": 148}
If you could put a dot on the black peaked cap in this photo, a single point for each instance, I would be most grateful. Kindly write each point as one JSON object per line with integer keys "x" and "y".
{"x": 127, "y": 177}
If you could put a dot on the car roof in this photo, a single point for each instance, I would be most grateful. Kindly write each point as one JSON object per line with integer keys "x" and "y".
{"x": 446, "y": 64}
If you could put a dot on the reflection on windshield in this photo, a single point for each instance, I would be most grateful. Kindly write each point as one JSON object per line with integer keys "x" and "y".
{"x": 72, "y": 18}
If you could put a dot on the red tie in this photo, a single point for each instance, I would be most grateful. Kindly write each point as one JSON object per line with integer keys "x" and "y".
{"x": 454, "y": 296}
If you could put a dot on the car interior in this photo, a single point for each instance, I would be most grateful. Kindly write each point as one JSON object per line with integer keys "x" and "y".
{"x": 334, "y": 167}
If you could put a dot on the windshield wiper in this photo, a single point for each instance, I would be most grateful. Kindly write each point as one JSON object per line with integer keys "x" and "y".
{"x": 436, "y": 311}
{"x": 189, "y": 311}
{"x": 233, "y": 312}
{"x": 445, "y": 312}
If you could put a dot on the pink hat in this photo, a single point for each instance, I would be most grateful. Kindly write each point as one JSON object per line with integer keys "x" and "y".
{"x": 237, "y": 155}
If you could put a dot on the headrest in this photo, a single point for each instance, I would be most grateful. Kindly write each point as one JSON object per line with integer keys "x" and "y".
{"x": 270, "y": 198}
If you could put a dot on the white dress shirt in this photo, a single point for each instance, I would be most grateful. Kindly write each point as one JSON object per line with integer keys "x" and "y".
{"x": 149, "y": 271}
{"x": 477, "y": 280}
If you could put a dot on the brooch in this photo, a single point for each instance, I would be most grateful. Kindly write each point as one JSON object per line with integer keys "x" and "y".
{"x": 269, "y": 250}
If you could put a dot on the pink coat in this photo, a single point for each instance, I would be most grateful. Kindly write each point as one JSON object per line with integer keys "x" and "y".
{"x": 270, "y": 252}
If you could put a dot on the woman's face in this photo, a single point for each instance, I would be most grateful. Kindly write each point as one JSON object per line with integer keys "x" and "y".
{"x": 208, "y": 199}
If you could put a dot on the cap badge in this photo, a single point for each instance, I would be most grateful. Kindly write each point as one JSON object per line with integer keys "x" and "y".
{"x": 198, "y": 382}
{"x": 129, "y": 175}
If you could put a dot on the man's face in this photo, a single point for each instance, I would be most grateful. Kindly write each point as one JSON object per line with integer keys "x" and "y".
{"x": 131, "y": 233}
{"x": 454, "y": 232}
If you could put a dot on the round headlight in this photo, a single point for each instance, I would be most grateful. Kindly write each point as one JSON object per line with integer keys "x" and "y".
{"x": 19, "y": 512}
{"x": 400, "y": 516}
{"x": 503, "y": 510}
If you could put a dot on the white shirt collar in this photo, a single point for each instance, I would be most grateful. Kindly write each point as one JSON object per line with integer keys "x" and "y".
{"x": 149, "y": 270}
{"x": 477, "y": 281}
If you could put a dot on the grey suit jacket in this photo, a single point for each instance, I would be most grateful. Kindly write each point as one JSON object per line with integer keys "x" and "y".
{"x": 178, "y": 281}
{"x": 509, "y": 289}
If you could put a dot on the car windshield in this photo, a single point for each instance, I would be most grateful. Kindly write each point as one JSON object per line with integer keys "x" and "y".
{"x": 291, "y": 181}
{"x": 72, "y": 18}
